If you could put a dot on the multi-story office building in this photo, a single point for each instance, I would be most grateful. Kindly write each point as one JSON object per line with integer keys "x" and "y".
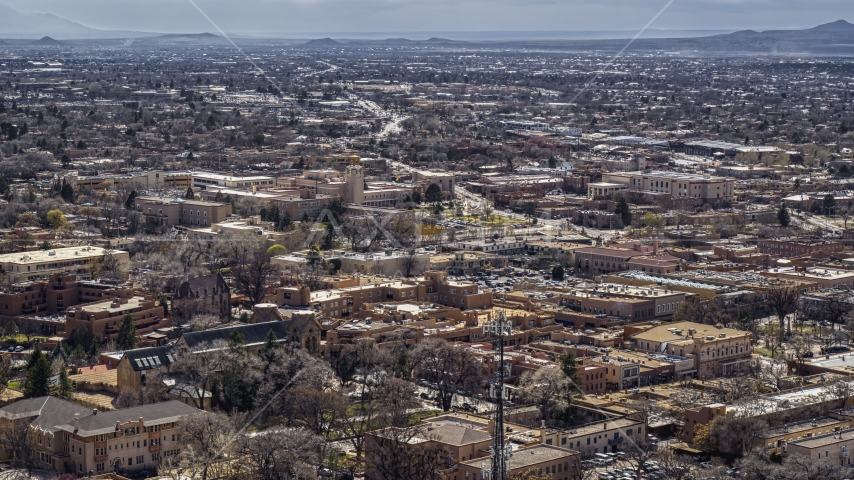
{"x": 105, "y": 316}
{"x": 81, "y": 261}
{"x": 673, "y": 186}
{"x": 69, "y": 437}
{"x": 129, "y": 439}
{"x": 201, "y": 180}
{"x": 715, "y": 351}
{"x": 796, "y": 247}
{"x": 168, "y": 212}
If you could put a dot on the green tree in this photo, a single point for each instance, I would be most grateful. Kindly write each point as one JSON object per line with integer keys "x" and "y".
{"x": 569, "y": 367}
{"x": 270, "y": 347}
{"x": 67, "y": 192}
{"x": 653, "y": 221}
{"x": 828, "y": 204}
{"x": 129, "y": 203}
{"x": 56, "y": 218}
{"x": 80, "y": 336}
{"x": 64, "y": 388}
{"x": 38, "y": 375}
{"x": 557, "y": 272}
{"x": 190, "y": 193}
{"x": 285, "y": 222}
{"x": 95, "y": 346}
{"x": 276, "y": 250}
{"x": 622, "y": 209}
{"x": 127, "y": 337}
{"x": 328, "y": 241}
{"x": 433, "y": 194}
{"x": 164, "y": 302}
{"x": 552, "y": 162}
{"x": 783, "y": 216}
{"x": 236, "y": 338}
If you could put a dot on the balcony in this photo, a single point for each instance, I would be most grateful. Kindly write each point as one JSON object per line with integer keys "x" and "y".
{"x": 154, "y": 448}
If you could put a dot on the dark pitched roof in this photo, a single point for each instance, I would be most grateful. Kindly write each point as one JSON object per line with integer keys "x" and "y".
{"x": 49, "y": 412}
{"x": 143, "y": 359}
{"x": 200, "y": 287}
{"x": 254, "y": 333}
{"x": 151, "y": 414}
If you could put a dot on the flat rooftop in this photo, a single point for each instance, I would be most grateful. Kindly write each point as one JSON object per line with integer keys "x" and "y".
{"x": 527, "y": 457}
{"x": 107, "y": 306}
{"x": 621, "y": 424}
{"x": 57, "y": 254}
{"x": 220, "y": 176}
{"x": 825, "y": 440}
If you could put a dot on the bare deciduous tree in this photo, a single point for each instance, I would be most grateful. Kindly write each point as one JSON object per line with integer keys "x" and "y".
{"x": 451, "y": 367}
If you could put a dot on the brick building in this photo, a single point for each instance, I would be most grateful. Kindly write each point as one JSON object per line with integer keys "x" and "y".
{"x": 796, "y": 247}
{"x": 103, "y": 317}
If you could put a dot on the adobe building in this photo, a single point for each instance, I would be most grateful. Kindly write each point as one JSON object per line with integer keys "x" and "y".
{"x": 103, "y": 317}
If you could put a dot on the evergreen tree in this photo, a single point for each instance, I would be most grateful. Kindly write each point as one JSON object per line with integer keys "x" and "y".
{"x": 285, "y": 222}
{"x": 67, "y": 192}
{"x": 402, "y": 367}
{"x": 164, "y": 302}
{"x": 64, "y": 389}
{"x": 271, "y": 344}
{"x": 783, "y": 216}
{"x": 190, "y": 194}
{"x": 129, "y": 203}
{"x": 38, "y": 375}
{"x": 622, "y": 209}
{"x": 95, "y": 346}
{"x": 329, "y": 237}
{"x": 569, "y": 367}
{"x": 433, "y": 194}
{"x": 274, "y": 215}
{"x": 127, "y": 337}
{"x": 236, "y": 338}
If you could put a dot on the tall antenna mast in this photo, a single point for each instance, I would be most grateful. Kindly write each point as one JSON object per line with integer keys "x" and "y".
{"x": 500, "y": 453}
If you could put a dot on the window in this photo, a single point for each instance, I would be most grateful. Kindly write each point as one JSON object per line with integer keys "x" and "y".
{"x": 140, "y": 460}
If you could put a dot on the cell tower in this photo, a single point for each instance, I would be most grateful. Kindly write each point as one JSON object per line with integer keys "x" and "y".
{"x": 500, "y": 453}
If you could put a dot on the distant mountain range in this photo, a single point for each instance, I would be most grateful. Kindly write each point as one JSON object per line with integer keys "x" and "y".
{"x": 836, "y": 38}
{"x": 15, "y": 24}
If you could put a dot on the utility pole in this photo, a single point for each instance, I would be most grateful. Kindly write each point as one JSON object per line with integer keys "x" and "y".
{"x": 499, "y": 452}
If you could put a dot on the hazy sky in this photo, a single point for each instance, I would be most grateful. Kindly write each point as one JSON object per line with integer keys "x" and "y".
{"x": 254, "y": 16}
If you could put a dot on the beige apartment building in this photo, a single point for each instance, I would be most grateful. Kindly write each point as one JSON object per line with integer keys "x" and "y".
{"x": 153, "y": 179}
{"x": 168, "y": 212}
{"x": 105, "y": 316}
{"x": 433, "y": 286}
{"x": 42, "y": 264}
{"x": 305, "y": 202}
{"x": 598, "y": 437}
{"x": 674, "y": 185}
{"x": 553, "y": 462}
{"x": 445, "y": 180}
{"x": 69, "y": 437}
{"x": 834, "y": 447}
{"x": 202, "y": 180}
{"x": 125, "y": 440}
{"x": 715, "y": 351}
